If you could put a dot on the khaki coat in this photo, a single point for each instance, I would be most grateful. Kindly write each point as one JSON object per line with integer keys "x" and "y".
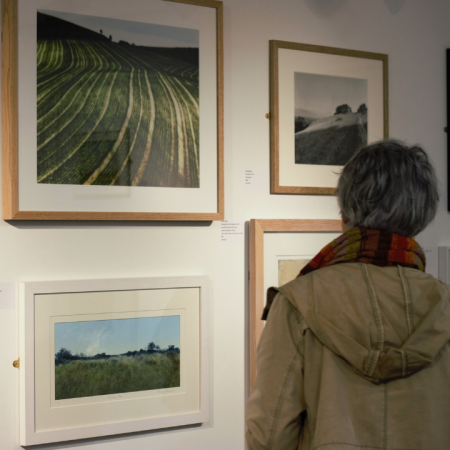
{"x": 354, "y": 356}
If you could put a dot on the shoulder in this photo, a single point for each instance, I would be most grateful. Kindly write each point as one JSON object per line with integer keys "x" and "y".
{"x": 298, "y": 290}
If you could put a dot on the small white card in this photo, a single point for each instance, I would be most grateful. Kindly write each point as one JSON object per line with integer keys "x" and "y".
{"x": 257, "y": 181}
{"x": 7, "y": 295}
{"x": 231, "y": 231}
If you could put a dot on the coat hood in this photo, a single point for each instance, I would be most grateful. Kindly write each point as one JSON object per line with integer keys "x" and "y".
{"x": 386, "y": 322}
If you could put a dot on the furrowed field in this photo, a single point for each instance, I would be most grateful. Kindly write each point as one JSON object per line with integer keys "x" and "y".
{"x": 332, "y": 140}
{"x": 86, "y": 378}
{"x": 113, "y": 113}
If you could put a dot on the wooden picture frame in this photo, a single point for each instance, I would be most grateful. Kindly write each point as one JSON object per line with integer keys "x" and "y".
{"x": 317, "y": 61}
{"x": 258, "y": 227}
{"x": 205, "y": 205}
{"x": 48, "y": 416}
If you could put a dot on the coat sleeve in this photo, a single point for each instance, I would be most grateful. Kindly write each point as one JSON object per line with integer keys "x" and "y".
{"x": 275, "y": 406}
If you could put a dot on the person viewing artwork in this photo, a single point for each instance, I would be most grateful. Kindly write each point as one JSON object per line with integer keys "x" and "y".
{"x": 355, "y": 353}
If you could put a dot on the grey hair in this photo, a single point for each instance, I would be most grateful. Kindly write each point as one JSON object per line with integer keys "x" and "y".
{"x": 389, "y": 186}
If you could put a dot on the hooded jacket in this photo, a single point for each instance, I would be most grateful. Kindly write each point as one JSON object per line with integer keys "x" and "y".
{"x": 354, "y": 356}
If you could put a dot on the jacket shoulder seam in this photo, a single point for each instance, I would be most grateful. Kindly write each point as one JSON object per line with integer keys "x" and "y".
{"x": 409, "y": 311}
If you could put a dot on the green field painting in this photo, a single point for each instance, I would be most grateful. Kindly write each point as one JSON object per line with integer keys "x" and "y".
{"x": 87, "y": 378}
{"x": 117, "y": 102}
{"x": 330, "y": 118}
{"x": 119, "y": 356}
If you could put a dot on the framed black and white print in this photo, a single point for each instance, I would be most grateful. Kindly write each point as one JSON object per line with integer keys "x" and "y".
{"x": 112, "y": 110}
{"x": 103, "y": 357}
{"x": 326, "y": 103}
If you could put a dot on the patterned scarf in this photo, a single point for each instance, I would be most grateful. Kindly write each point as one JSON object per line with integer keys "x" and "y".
{"x": 366, "y": 246}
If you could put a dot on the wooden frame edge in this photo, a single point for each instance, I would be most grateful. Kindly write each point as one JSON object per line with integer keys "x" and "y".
{"x": 274, "y": 46}
{"x": 256, "y": 264}
{"x": 118, "y": 216}
{"x": 220, "y": 112}
{"x": 329, "y": 50}
{"x": 10, "y": 121}
{"x": 10, "y": 108}
{"x": 274, "y": 118}
{"x": 386, "y": 95}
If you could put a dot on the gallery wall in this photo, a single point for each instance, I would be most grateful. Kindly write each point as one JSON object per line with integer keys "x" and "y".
{"x": 414, "y": 33}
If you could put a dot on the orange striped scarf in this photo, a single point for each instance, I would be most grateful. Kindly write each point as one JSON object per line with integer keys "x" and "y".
{"x": 371, "y": 247}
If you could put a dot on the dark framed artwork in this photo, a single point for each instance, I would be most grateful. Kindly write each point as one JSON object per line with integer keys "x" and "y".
{"x": 447, "y": 129}
{"x": 325, "y": 104}
{"x": 113, "y": 111}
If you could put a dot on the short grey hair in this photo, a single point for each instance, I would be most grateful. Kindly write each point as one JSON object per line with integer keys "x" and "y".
{"x": 389, "y": 186}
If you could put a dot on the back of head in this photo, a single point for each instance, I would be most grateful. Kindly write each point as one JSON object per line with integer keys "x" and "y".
{"x": 389, "y": 186}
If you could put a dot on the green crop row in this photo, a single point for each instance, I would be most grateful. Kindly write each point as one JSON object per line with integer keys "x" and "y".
{"x": 117, "y": 116}
{"x": 118, "y": 375}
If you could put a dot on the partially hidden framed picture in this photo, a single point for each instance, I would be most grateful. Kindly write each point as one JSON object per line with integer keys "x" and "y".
{"x": 325, "y": 104}
{"x": 278, "y": 250}
{"x": 112, "y": 110}
{"x": 103, "y": 357}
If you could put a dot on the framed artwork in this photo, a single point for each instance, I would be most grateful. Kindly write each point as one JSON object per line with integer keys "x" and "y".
{"x": 104, "y": 357}
{"x": 325, "y": 104}
{"x": 113, "y": 111}
{"x": 279, "y": 248}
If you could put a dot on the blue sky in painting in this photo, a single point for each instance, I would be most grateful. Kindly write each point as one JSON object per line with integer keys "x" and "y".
{"x": 117, "y": 336}
{"x": 139, "y": 33}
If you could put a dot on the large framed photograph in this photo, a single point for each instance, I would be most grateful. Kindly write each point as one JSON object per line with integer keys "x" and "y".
{"x": 113, "y": 110}
{"x": 103, "y": 357}
{"x": 279, "y": 249}
{"x": 325, "y": 104}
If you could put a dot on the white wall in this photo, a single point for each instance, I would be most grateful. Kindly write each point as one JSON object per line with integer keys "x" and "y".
{"x": 414, "y": 33}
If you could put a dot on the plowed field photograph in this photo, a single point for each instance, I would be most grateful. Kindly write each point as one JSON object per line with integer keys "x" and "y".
{"x": 330, "y": 118}
{"x": 117, "y": 102}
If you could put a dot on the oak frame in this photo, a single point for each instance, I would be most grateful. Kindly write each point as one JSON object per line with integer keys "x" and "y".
{"x": 275, "y": 187}
{"x": 27, "y": 401}
{"x": 256, "y": 266}
{"x": 10, "y": 119}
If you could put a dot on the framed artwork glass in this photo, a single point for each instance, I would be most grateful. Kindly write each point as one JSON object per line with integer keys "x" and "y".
{"x": 113, "y": 111}
{"x": 279, "y": 248}
{"x": 103, "y": 357}
{"x": 325, "y": 104}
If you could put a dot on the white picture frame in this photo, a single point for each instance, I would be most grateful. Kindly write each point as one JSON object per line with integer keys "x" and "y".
{"x": 43, "y": 419}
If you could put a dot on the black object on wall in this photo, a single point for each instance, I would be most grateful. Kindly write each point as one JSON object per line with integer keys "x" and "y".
{"x": 448, "y": 129}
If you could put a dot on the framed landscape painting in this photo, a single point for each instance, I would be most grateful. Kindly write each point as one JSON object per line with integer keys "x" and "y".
{"x": 112, "y": 111}
{"x": 103, "y": 357}
{"x": 326, "y": 103}
{"x": 279, "y": 249}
